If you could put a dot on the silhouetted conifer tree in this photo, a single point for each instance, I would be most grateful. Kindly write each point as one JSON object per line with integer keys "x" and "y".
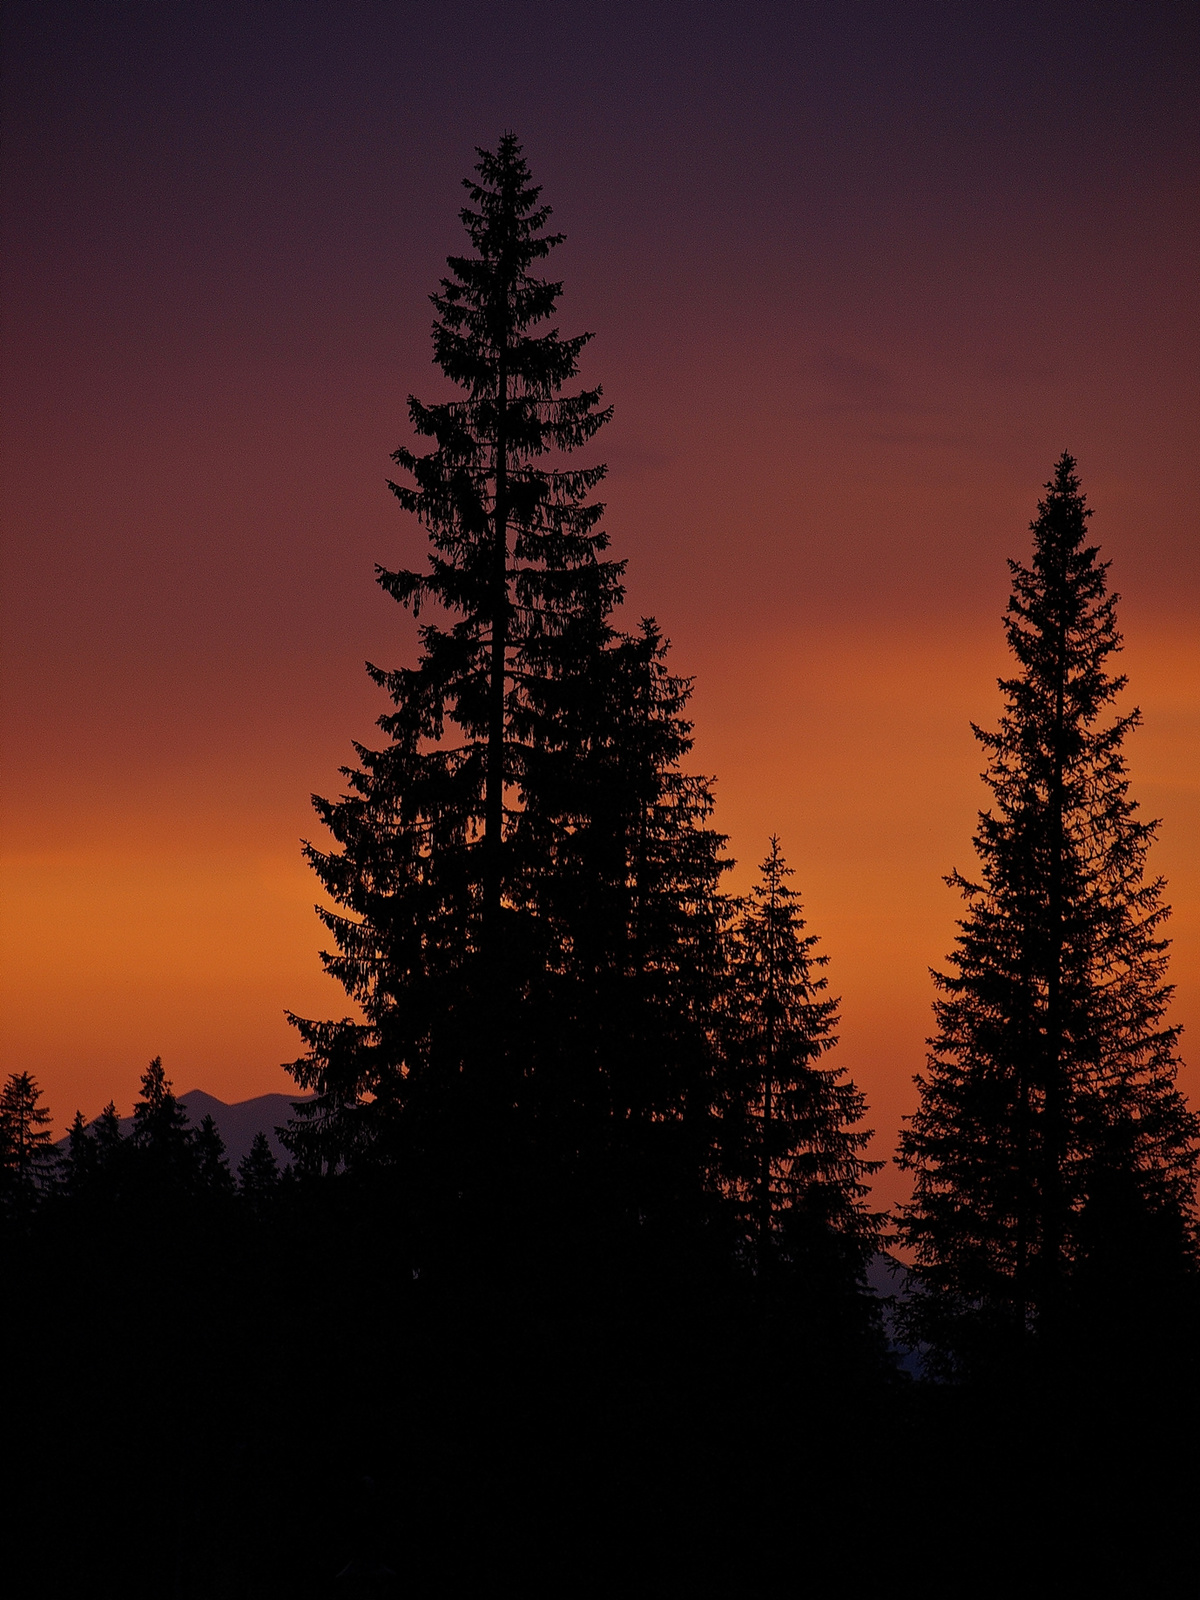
{"x": 258, "y": 1172}
{"x": 1050, "y": 1099}
{"x": 428, "y": 937}
{"x": 79, "y": 1160}
{"x": 668, "y": 860}
{"x": 93, "y": 1165}
{"x": 789, "y": 1140}
{"x": 211, "y": 1161}
{"x": 161, "y": 1137}
{"x": 620, "y": 873}
{"x": 106, "y": 1130}
{"x": 27, "y": 1157}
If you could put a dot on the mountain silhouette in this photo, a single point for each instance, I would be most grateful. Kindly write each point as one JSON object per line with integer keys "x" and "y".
{"x": 237, "y": 1123}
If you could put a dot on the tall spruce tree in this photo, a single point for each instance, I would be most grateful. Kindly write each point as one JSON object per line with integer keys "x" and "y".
{"x": 789, "y": 1141}
{"x": 1049, "y": 1101}
{"x": 429, "y": 936}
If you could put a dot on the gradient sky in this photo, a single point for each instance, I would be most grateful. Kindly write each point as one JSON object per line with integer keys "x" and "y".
{"x": 857, "y": 273}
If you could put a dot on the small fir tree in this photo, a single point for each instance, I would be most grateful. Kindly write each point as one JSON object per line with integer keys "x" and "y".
{"x": 161, "y": 1136}
{"x": 789, "y": 1152}
{"x": 258, "y": 1172}
{"x": 27, "y": 1157}
{"x": 95, "y": 1162}
{"x": 212, "y": 1164}
{"x": 1050, "y": 1095}
{"x": 106, "y": 1130}
{"x": 80, "y": 1157}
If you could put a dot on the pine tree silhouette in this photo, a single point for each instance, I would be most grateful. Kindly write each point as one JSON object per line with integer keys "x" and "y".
{"x": 212, "y": 1164}
{"x": 106, "y": 1130}
{"x": 1051, "y": 1087}
{"x": 80, "y": 1160}
{"x": 27, "y": 1157}
{"x": 160, "y": 1139}
{"x": 619, "y": 873}
{"x": 481, "y": 484}
{"x": 667, "y": 881}
{"x": 428, "y": 937}
{"x": 258, "y": 1172}
{"x": 789, "y": 1141}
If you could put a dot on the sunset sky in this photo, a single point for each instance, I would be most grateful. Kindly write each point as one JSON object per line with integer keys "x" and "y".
{"x": 858, "y": 273}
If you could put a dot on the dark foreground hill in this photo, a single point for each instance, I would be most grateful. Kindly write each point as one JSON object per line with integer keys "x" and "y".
{"x": 315, "y": 1398}
{"x": 332, "y": 1388}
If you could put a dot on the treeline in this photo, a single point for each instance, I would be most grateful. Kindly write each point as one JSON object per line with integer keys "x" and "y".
{"x": 577, "y": 1225}
{"x": 557, "y": 994}
{"x": 162, "y": 1159}
{"x": 562, "y": 1012}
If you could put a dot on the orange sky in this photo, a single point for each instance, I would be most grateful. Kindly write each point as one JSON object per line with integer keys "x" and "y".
{"x": 851, "y": 298}
{"x": 183, "y": 924}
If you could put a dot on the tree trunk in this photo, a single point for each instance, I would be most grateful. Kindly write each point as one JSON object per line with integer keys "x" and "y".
{"x": 764, "y": 1176}
{"x": 1054, "y": 1130}
{"x": 493, "y": 811}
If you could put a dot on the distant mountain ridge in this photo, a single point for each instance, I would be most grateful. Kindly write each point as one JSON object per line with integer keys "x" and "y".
{"x": 238, "y": 1123}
